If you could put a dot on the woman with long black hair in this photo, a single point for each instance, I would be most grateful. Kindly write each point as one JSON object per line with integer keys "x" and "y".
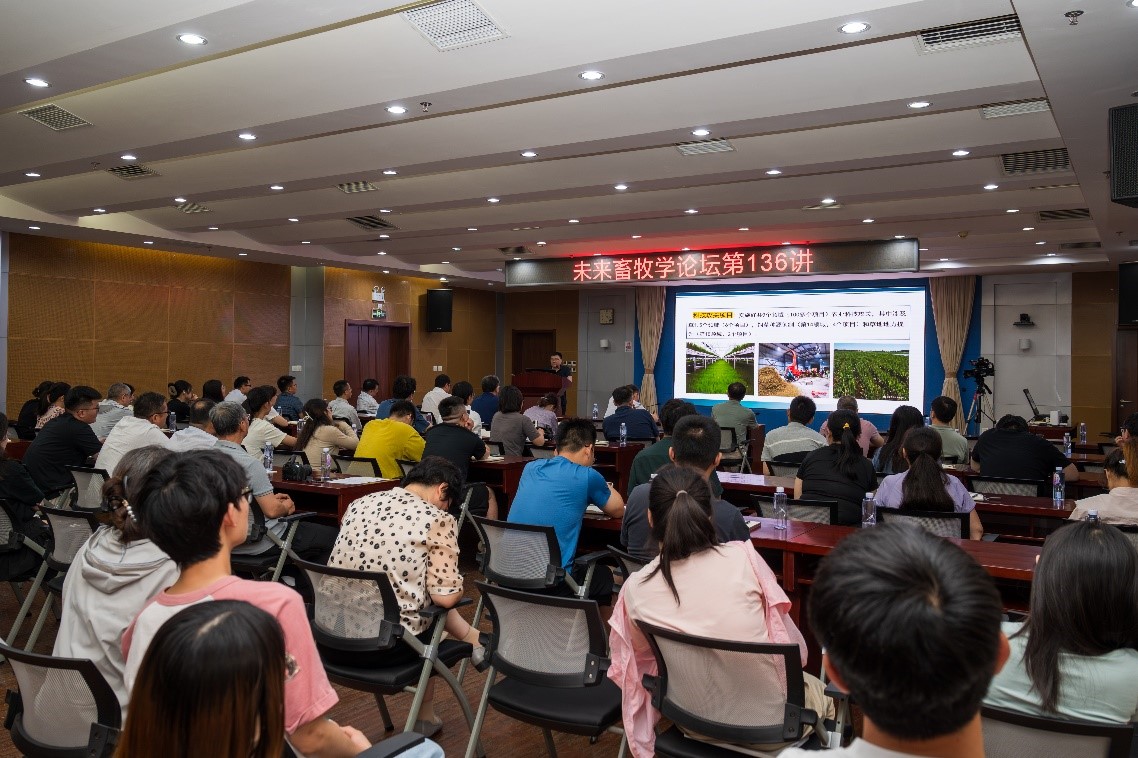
{"x": 322, "y": 431}
{"x": 181, "y": 395}
{"x": 888, "y": 459}
{"x": 838, "y": 471}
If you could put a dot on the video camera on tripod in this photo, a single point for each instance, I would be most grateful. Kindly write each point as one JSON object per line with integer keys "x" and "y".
{"x": 981, "y": 369}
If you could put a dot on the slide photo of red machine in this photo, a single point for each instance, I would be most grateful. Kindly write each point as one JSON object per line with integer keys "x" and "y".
{"x": 787, "y": 369}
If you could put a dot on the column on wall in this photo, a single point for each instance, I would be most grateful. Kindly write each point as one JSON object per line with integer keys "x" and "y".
{"x": 306, "y": 348}
{"x": 650, "y": 324}
{"x": 952, "y": 312}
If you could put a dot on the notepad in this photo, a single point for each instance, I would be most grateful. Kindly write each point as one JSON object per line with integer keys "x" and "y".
{"x": 357, "y": 480}
{"x": 594, "y": 510}
{"x": 494, "y": 458}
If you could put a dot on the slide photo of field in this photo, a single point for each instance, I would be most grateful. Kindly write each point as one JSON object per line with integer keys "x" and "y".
{"x": 787, "y": 369}
{"x": 872, "y": 370}
{"x": 713, "y": 364}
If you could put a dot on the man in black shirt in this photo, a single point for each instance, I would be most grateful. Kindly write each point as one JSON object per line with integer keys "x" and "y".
{"x": 1012, "y": 452}
{"x": 453, "y": 439}
{"x": 66, "y": 440}
{"x": 557, "y": 366}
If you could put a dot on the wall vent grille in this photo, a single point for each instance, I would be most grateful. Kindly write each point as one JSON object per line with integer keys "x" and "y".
{"x": 705, "y": 146}
{"x": 370, "y": 222}
{"x": 132, "y": 171}
{"x": 1036, "y": 161}
{"x": 193, "y": 208}
{"x": 1080, "y": 245}
{"x": 1067, "y": 214}
{"x": 54, "y": 117}
{"x": 351, "y": 188}
{"x": 454, "y": 24}
{"x": 971, "y": 33}
{"x": 1015, "y": 108}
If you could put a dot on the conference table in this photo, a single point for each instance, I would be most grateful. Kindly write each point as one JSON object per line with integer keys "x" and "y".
{"x": 504, "y": 473}
{"x": 331, "y": 498}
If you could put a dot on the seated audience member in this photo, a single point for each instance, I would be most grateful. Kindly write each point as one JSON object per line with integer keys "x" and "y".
{"x": 556, "y": 491}
{"x": 695, "y": 445}
{"x": 454, "y": 439}
{"x": 403, "y": 388}
{"x": 868, "y": 438}
{"x": 611, "y": 408}
{"x": 1074, "y": 656}
{"x": 114, "y": 575}
{"x": 732, "y": 414}
{"x": 194, "y": 507}
{"x": 1011, "y": 451}
{"x": 441, "y": 391}
{"x": 322, "y": 431}
{"x": 113, "y": 409}
{"x": 67, "y": 441}
{"x": 142, "y": 429}
{"x": 392, "y": 438}
{"x": 1119, "y": 505}
{"x": 465, "y": 390}
{"x": 888, "y": 459}
{"x": 241, "y": 387}
{"x": 911, "y": 629}
{"x": 261, "y": 432}
{"x": 199, "y": 434}
{"x": 1129, "y": 429}
{"x": 287, "y": 403}
{"x": 953, "y": 443}
{"x": 407, "y": 534}
{"x": 366, "y": 403}
{"x": 924, "y": 486}
{"x": 486, "y": 404}
{"x": 511, "y": 427}
{"x": 638, "y": 422}
{"x": 30, "y": 411}
{"x": 312, "y": 541}
{"x": 698, "y": 586}
{"x": 544, "y": 414}
{"x": 181, "y": 395}
{"x": 655, "y": 456}
{"x": 838, "y": 471}
{"x": 796, "y": 438}
{"x": 213, "y": 389}
{"x": 52, "y": 404}
{"x": 23, "y": 496}
{"x": 341, "y": 406}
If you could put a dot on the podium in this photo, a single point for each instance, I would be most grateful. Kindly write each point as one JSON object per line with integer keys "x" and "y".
{"x": 535, "y": 383}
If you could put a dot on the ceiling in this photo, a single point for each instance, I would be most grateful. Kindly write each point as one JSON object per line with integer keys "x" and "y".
{"x": 779, "y": 81}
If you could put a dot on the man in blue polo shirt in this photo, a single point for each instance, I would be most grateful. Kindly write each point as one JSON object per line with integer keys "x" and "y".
{"x": 556, "y": 491}
{"x": 640, "y": 424}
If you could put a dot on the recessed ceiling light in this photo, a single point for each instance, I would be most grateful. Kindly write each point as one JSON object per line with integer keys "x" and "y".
{"x": 37, "y": 82}
{"x": 918, "y": 104}
{"x": 991, "y": 186}
{"x": 389, "y": 172}
{"x": 192, "y": 39}
{"x": 247, "y": 136}
{"x": 744, "y": 228}
{"x": 529, "y": 154}
{"x": 385, "y": 210}
{"x": 620, "y": 187}
{"x": 387, "y": 271}
{"x": 179, "y": 200}
{"x": 773, "y": 172}
{"x": 1041, "y": 242}
{"x": 574, "y": 221}
{"x": 591, "y": 75}
{"x": 691, "y": 211}
{"x": 213, "y": 228}
{"x": 385, "y": 236}
{"x": 516, "y": 258}
{"x": 294, "y": 220}
{"x": 36, "y": 228}
{"x": 701, "y": 132}
{"x": 129, "y": 157}
{"x": 497, "y": 269}
{"x": 853, "y": 27}
{"x": 442, "y": 278}
{"x": 276, "y": 186}
{"x": 960, "y": 153}
{"x": 493, "y": 200}
{"x": 898, "y": 236}
{"x": 382, "y": 252}
{"x": 100, "y": 210}
{"x": 828, "y": 201}
{"x": 923, "y": 249}
{"x": 444, "y": 261}
{"x": 684, "y": 249}
{"x": 1013, "y": 210}
{"x": 305, "y": 242}
{"x": 637, "y": 236}
{"x": 456, "y": 249}
{"x": 242, "y": 254}
{"x": 32, "y": 174}
{"x": 472, "y": 228}
{"x": 148, "y": 242}
{"x": 786, "y": 243}
{"x": 1132, "y": 3}
{"x": 867, "y": 221}
{"x": 942, "y": 260}
{"x": 542, "y": 243}
{"x": 398, "y": 110}
{"x": 1029, "y": 228}
{"x": 1051, "y": 255}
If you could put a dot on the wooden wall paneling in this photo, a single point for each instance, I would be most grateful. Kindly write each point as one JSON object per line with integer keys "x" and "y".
{"x": 261, "y": 363}
{"x": 142, "y": 364}
{"x": 128, "y": 265}
{"x": 199, "y": 315}
{"x": 32, "y": 360}
{"x": 261, "y": 319}
{"x": 50, "y": 307}
{"x": 197, "y": 362}
{"x": 131, "y": 311}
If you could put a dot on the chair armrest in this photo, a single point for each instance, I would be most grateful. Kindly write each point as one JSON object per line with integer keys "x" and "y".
{"x": 393, "y": 745}
{"x": 835, "y": 694}
{"x": 296, "y": 516}
{"x": 583, "y": 561}
{"x": 433, "y": 611}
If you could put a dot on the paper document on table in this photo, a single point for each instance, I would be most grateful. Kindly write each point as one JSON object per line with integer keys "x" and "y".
{"x": 494, "y": 458}
{"x": 594, "y": 510}
{"x": 358, "y": 480}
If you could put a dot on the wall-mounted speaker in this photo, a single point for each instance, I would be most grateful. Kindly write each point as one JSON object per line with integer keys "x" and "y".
{"x": 1124, "y": 156}
{"x": 1127, "y": 283}
{"x": 439, "y": 305}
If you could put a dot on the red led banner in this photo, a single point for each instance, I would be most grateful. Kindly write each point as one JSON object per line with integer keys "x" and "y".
{"x": 724, "y": 263}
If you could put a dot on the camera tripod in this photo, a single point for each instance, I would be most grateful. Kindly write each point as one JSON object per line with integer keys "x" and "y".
{"x": 981, "y": 406}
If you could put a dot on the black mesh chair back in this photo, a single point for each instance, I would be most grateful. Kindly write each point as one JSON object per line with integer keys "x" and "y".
{"x": 738, "y": 692}
{"x": 629, "y": 564}
{"x": 524, "y": 556}
{"x": 352, "y": 610}
{"x": 495, "y": 448}
{"x": 778, "y": 468}
{"x": 995, "y": 485}
{"x": 10, "y": 538}
{"x": 728, "y": 442}
{"x": 1106, "y": 448}
{"x": 64, "y": 707}
{"x": 940, "y": 523}
{"x": 346, "y": 464}
{"x": 88, "y": 486}
{"x": 1016, "y": 735}
{"x": 13, "y": 541}
{"x": 540, "y": 452}
{"x": 815, "y": 511}
{"x": 405, "y": 466}
{"x": 281, "y": 457}
{"x": 70, "y": 531}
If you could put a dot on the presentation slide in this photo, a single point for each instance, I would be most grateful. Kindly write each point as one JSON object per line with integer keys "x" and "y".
{"x": 820, "y": 343}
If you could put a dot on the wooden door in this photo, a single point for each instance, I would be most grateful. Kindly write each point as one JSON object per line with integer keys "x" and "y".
{"x": 379, "y": 350}
{"x": 532, "y": 349}
{"x": 1125, "y": 375}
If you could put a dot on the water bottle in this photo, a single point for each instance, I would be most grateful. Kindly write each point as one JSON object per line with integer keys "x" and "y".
{"x": 326, "y": 462}
{"x": 780, "y": 508}
{"x": 928, "y": 421}
{"x": 267, "y": 458}
{"x": 1058, "y": 493}
{"x": 1067, "y": 449}
{"x": 1092, "y": 516}
{"x": 868, "y": 511}
{"x": 172, "y": 421}
{"x": 623, "y": 434}
{"x": 299, "y": 426}
{"x": 1082, "y": 433}
{"x": 596, "y": 412}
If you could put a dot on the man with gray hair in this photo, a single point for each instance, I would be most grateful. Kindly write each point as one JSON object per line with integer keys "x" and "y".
{"x": 139, "y": 430}
{"x": 199, "y": 434}
{"x": 114, "y": 409}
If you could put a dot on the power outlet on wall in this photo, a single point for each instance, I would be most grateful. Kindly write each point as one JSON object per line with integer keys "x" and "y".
{"x": 436, "y": 368}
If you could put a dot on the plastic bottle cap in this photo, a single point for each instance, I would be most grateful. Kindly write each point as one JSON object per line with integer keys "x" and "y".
{"x": 780, "y": 490}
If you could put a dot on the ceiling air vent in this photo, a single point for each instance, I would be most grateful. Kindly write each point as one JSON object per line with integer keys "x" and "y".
{"x": 1068, "y": 214}
{"x": 1016, "y": 108}
{"x": 132, "y": 171}
{"x": 370, "y": 222}
{"x": 829, "y": 207}
{"x": 351, "y": 188}
{"x": 968, "y": 34}
{"x": 1069, "y": 185}
{"x": 513, "y": 251}
{"x": 54, "y": 117}
{"x": 1036, "y": 161}
{"x": 705, "y": 146}
{"x": 453, "y": 24}
{"x": 1080, "y": 245}
{"x": 193, "y": 208}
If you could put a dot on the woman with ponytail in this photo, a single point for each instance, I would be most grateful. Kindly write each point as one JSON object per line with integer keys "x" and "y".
{"x": 321, "y": 431}
{"x": 838, "y": 471}
{"x": 181, "y": 395}
{"x": 924, "y": 486}
{"x": 697, "y": 586}
{"x": 113, "y": 575}
{"x": 1120, "y": 504}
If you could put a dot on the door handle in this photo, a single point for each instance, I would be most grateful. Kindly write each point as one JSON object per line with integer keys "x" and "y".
{"x": 1124, "y": 402}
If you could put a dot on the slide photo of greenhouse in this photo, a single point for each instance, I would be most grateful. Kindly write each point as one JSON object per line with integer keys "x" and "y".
{"x": 872, "y": 370}
{"x": 714, "y": 364}
{"x": 787, "y": 369}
